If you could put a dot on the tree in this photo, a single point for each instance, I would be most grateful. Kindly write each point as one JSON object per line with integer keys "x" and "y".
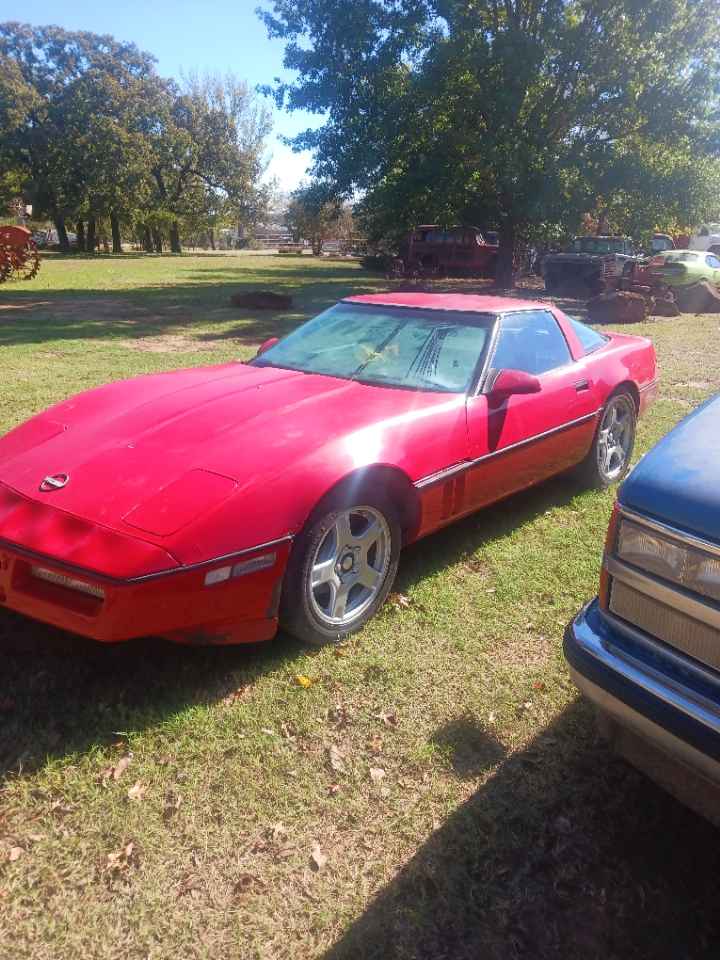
{"x": 509, "y": 113}
{"x": 208, "y": 149}
{"x": 314, "y": 213}
{"x": 64, "y": 74}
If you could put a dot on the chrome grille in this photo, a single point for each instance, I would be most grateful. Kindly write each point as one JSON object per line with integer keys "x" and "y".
{"x": 690, "y": 636}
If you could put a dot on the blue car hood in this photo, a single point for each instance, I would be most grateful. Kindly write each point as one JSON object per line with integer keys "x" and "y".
{"x": 678, "y": 481}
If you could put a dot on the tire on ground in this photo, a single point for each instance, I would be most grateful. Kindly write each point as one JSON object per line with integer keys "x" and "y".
{"x": 297, "y": 615}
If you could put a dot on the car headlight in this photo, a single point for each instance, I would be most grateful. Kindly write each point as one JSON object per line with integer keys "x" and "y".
{"x": 684, "y": 565}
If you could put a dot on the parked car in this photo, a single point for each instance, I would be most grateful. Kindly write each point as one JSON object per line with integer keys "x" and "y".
{"x": 460, "y": 251}
{"x": 592, "y": 263}
{"x": 680, "y": 268}
{"x": 707, "y": 238}
{"x": 207, "y": 504}
{"x": 646, "y": 652}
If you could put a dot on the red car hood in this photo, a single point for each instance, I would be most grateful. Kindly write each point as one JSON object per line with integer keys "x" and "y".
{"x": 199, "y": 436}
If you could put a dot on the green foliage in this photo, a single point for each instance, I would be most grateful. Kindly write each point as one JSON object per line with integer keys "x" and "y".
{"x": 88, "y": 130}
{"x": 316, "y": 213}
{"x": 510, "y": 114}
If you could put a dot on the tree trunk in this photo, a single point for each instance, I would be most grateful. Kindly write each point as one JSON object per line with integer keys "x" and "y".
{"x": 90, "y": 239}
{"x": 317, "y": 245}
{"x": 504, "y": 271}
{"x": 115, "y": 228}
{"x": 175, "y": 246}
{"x": 63, "y": 241}
{"x": 211, "y": 238}
{"x": 80, "y": 235}
{"x": 147, "y": 239}
{"x": 157, "y": 240}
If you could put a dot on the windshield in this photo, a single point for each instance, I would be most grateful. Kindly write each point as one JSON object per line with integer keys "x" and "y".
{"x": 389, "y": 346}
{"x": 597, "y": 245}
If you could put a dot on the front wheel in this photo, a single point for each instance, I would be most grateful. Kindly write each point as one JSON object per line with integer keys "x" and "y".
{"x": 341, "y": 570}
{"x": 609, "y": 458}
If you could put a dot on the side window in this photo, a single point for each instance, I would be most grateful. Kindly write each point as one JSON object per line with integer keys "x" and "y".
{"x": 713, "y": 262}
{"x": 530, "y": 340}
{"x": 590, "y": 339}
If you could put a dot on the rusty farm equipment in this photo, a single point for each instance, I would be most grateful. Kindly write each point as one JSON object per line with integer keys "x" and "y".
{"x": 19, "y": 257}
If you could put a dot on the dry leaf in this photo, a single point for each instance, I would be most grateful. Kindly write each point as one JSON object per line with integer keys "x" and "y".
{"x": 15, "y": 854}
{"x": 317, "y": 858}
{"x": 245, "y": 884}
{"x": 191, "y": 884}
{"x": 278, "y": 832}
{"x": 389, "y": 719}
{"x": 337, "y": 761}
{"x": 333, "y": 789}
{"x": 400, "y": 600}
{"x": 376, "y": 774}
{"x": 117, "y": 770}
{"x": 121, "y": 859}
{"x": 137, "y": 791}
{"x": 172, "y": 804}
{"x": 302, "y": 681}
{"x": 376, "y": 743}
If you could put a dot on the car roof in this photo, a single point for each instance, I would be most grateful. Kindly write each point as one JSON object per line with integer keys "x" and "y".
{"x": 473, "y": 303}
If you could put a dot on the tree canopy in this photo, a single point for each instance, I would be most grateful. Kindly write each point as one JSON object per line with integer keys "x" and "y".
{"x": 89, "y": 130}
{"x": 512, "y": 114}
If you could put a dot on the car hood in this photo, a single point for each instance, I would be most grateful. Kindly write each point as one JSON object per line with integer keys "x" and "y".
{"x": 152, "y": 455}
{"x": 678, "y": 481}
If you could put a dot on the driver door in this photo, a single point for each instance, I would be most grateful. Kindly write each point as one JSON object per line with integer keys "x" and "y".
{"x": 518, "y": 440}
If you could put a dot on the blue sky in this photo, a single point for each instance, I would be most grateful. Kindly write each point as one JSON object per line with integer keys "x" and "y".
{"x": 215, "y": 35}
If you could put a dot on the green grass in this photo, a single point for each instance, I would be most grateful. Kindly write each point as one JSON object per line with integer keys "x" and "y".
{"x": 500, "y": 828}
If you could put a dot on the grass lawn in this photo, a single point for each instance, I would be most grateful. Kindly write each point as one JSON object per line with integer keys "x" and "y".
{"x": 435, "y": 793}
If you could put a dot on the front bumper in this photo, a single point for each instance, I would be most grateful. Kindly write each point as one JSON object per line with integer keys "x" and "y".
{"x": 177, "y": 604}
{"x": 660, "y": 710}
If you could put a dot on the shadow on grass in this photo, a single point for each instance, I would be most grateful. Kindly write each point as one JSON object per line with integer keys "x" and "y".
{"x": 61, "y": 694}
{"x": 197, "y": 299}
{"x": 564, "y": 853}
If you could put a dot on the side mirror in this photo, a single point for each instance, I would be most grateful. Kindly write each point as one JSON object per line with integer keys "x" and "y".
{"x": 266, "y": 346}
{"x": 508, "y": 382}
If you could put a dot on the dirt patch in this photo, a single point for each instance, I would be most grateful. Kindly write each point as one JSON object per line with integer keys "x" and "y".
{"x": 172, "y": 343}
{"x": 116, "y": 311}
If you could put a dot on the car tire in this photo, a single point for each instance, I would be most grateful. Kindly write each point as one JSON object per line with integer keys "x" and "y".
{"x": 342, "y": 567}
{"x": 602, "y": 467}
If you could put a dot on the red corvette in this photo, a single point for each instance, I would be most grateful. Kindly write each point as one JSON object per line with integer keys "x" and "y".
{"x": 207, "y": 505}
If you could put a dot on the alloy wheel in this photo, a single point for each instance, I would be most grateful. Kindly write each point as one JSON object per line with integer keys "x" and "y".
{"x": 349, "y": 566}
{"x": 615, "y": 437}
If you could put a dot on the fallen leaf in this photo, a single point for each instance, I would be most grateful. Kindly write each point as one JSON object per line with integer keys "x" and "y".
{"x": 172, "y": 804}
{"x": 538, "y": 685}
{"x": 333, "y": 789}
{"x": 317, "y": 858}
{"x": 337, "y": 761}
{"x": 120, "y": 860}
{"x": 376, "y": 774}
{"x": 245, "y": 883}
{"x": 191, "y": 884}
{"x": 389, "y": 719}
{"x": 115, "y": 771}
{"x": 15, "y": 854}
{"x": 137, "y": 791}
{"x": 400, "y": 600}
{"x": 278, "y": 832}
{"x": 376, "y": 743}
{"x": 302, "y": 681}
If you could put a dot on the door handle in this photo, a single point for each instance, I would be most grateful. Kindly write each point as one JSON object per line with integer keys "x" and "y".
{"x": 581, "y": 385}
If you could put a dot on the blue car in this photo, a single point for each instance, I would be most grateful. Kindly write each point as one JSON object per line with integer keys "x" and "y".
{"x": 646, "y": 651}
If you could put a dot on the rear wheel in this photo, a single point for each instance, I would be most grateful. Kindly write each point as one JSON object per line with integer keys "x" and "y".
{"x": 609, "y": 458}
{"x": 341, "y": 568}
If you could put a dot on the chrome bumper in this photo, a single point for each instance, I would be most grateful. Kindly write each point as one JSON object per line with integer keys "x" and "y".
{"x": 678, "y": 728}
